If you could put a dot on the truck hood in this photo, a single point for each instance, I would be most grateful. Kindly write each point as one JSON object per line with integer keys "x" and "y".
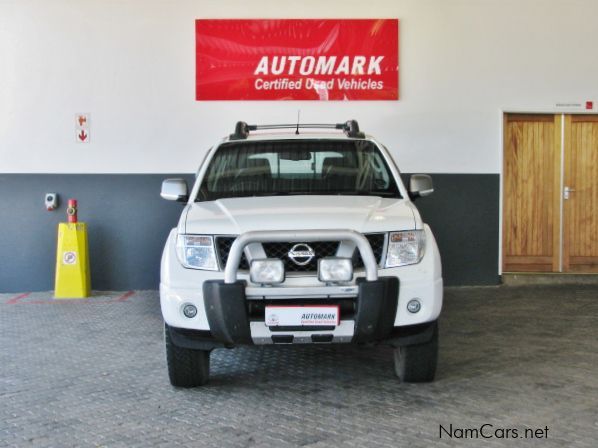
{"x": 365, "y": 214}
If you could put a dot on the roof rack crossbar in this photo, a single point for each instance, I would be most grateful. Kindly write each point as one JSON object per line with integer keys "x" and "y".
{"x": 242, "y": 129}
{"x": 257, "y": 127}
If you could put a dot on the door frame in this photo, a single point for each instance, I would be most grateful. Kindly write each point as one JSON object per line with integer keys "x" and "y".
{"x": 502, "y": 112}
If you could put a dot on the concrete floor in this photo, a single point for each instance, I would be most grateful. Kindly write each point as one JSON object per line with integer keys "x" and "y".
{"x": 92, "y": 373}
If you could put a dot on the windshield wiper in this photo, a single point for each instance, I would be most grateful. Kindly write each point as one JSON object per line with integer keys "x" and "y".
{"x": 249, "y": 194}
{"x": 386, "y": 194}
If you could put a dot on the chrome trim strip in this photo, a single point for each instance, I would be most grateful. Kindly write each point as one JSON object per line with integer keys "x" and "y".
{"x": 301, "y": 291}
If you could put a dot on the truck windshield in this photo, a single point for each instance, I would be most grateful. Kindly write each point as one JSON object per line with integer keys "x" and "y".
{"x": 297, "y": 167}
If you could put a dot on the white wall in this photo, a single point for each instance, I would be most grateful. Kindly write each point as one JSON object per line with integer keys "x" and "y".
{"x": 131, "y": 64}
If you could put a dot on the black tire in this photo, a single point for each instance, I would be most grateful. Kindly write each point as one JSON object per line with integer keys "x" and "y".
{"x": 417, "y": 363}
{"x": 186, "y": 367}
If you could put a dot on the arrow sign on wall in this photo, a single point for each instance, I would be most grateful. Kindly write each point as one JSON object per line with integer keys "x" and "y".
{"x": 82, "y": 126}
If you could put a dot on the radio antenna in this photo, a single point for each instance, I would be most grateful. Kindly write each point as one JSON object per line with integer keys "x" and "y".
{"x": 298, "y": 115}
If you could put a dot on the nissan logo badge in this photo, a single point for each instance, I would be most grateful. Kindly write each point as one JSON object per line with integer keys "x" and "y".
{"x": 301, "y": 254}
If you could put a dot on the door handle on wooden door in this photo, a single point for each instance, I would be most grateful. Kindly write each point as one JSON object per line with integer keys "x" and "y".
{"x": 566, "y": 192}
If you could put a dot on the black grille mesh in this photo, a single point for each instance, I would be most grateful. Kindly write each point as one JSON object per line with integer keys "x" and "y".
{"x": 376, "y": 240}
{"x": 223, "y": 245}
{"x": 281, "y": 250}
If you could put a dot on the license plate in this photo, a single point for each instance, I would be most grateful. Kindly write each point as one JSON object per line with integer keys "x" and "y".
{"x": 303, "y": 316}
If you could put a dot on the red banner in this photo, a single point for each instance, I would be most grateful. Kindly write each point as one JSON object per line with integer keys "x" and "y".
{"x": 302, "y": 59}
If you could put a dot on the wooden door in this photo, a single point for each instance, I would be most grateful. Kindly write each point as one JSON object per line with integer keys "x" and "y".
{"x": 580, "y": 209}
{"x": 531, "y": 194}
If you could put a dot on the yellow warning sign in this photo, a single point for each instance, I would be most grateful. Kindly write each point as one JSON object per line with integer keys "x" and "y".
{"x": 72, "y": 262}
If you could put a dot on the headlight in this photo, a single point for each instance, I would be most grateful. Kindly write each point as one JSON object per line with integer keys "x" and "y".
{"x": 405, "y": 248}
{"x": 196, "y": 252}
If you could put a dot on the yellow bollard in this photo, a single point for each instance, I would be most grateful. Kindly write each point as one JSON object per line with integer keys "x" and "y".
{"x": 72, "y": 262}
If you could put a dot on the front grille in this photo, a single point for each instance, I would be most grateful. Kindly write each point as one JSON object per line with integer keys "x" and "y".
{"x": 281, "y": 251}
{"x": 223, "y": 245}
{"x": 376, "y": 240}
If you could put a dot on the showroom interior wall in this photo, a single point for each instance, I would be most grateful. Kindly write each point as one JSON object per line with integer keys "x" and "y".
{"x": 131, "y": 65}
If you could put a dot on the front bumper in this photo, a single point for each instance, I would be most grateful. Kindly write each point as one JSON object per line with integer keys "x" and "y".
{"x": 228, "y": 316}
{"x": 231, "y": 325}
{"x": 232, "y": 320}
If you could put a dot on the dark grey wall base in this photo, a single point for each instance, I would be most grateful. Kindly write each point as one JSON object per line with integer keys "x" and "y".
{"x": 463, "y": 213}
{"x": 129, "y": 222}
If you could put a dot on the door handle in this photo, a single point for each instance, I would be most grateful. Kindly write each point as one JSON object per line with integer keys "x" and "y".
{"x": 567, "y": 191}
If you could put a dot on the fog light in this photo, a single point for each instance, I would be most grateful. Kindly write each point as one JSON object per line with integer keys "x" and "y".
{"x": 267, "y": 271}
{"x": 413, "y": 306}
{"x": 333, "y": 269}
{"x": 189, "y": 311}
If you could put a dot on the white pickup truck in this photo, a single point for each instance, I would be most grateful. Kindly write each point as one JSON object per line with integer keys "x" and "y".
{"x": 304, "y": 234}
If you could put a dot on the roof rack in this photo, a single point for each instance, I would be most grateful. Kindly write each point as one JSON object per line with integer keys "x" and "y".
{"x": 242, "y": 129}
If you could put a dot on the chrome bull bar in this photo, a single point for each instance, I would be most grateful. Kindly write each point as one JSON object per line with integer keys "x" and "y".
{"x": 299, "y": 236}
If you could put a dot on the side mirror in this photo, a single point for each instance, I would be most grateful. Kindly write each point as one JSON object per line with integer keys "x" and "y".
{"x": 175, "y": 190}
{"x": 420, "y": 185}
